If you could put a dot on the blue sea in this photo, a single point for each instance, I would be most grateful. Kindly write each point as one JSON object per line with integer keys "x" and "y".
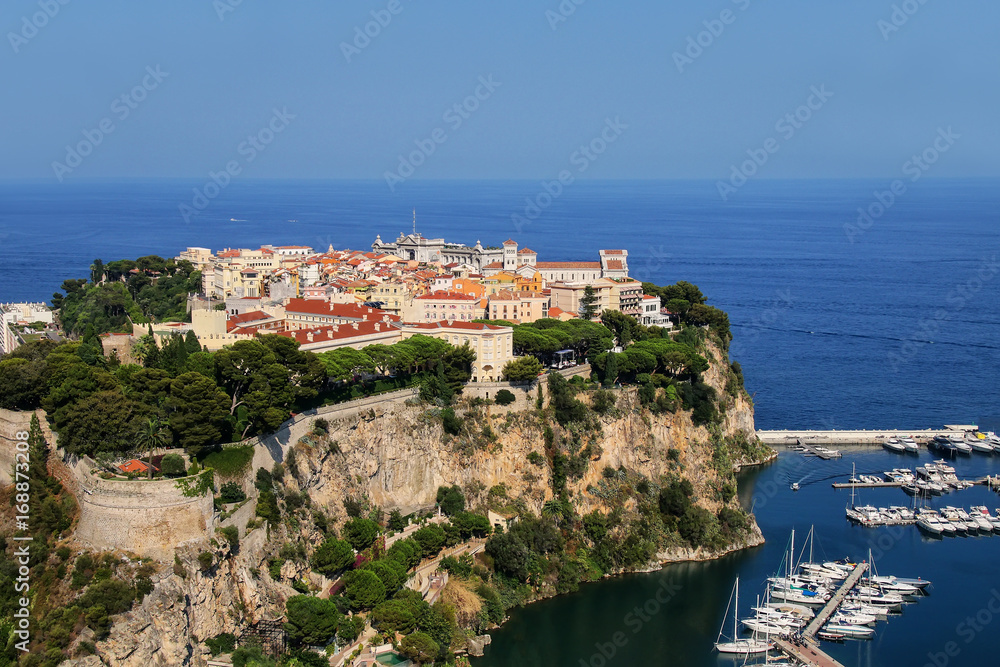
{"x": 888, "y": 323}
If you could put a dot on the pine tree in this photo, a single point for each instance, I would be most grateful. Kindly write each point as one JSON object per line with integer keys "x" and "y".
{"x": 611, "y": 369}
{"x": 588, "y": 303}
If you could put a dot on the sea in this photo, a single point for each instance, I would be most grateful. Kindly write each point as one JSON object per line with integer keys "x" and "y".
{"x": 851, "y": 307}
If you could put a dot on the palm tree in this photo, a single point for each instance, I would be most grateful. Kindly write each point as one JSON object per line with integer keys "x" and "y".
{"x": 152, "y": 437}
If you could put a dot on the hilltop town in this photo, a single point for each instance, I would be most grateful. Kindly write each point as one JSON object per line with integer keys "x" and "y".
{"x": 414, "y": 285}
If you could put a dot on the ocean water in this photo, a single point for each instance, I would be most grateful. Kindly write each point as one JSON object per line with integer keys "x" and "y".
{"x": 889, "y": 325}
{"x": 893, "y": 325}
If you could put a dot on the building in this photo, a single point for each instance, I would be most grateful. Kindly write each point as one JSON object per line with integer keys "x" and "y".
{"x": 652, "y": 314}
{"x": 569, "y": 272}
{"x": 435, "y": 306}
{"x": 355, "y": 335}
{"x": 310, "y": 314}
{"x": 626, "y": 296}
{"x": 493, "y": 345}
{"x": 519, "y": 307}
{"x": 19, "y": 314}
{"x": 414, "y": 247}
{"x": 566, "y": 296}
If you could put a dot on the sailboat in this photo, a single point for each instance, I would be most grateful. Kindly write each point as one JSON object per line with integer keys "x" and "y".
{"x": 740, "y": 646}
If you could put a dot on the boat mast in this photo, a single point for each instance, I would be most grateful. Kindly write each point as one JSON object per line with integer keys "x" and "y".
{"x": 736, "y": 610}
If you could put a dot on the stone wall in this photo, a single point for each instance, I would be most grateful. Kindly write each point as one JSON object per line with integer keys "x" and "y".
{"x": 148, "y": 518}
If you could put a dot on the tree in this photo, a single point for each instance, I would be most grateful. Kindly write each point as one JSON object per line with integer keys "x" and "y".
{"x": 191, "y": 343}
{"x": 311, "y": 620}
{"x": 394, "y": 616}
{"x": 588, "y": 303}
{"x": 522, "y": 369}
{"x": 391, "y": 573}
{"x": 332, "y": 557}
{"x": 23, "y": 383}
{"x": 451, "y": 499}
{"x": 611, "y": 370}
{"x": 361, "y": 533}
{"x": 153, "y": 436}
{"x": 198, "y": 411}
{"x": 105, "y": 421}
{"x": 430, "y": 538}
{"x": 419, "y": 647}
{"x": 510, "y": 555}
{"x": 363, "y": 589}
{"x": 350, "y": 628}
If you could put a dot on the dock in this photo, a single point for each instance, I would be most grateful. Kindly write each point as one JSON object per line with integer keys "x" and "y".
{"x": 857, "y": 437}
{"x": 808, "y": 654}
{"x": 820, "y": 452}
{"x": 824, "y": 615}
{"x": 866, "y": 485}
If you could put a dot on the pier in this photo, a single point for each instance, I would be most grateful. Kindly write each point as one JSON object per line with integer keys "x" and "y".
{"x": 808, "y": 654}
{"x": 860, "y": 437}
{"x": 866, "y": 485}
{"x": 824, "y": 615}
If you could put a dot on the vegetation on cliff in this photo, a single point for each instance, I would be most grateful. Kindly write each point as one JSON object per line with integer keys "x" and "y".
{"x": 73, "y": 595}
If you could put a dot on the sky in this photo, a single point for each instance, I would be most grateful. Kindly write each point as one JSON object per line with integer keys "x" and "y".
{"x": 513, "y": 89}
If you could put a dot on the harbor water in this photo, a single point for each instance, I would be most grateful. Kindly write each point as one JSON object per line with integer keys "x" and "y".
{"x": 580, "y": 628}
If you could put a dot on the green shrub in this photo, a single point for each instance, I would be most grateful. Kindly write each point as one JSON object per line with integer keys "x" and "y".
{"x": 232, "y": 535}
{"x": 451, "y": 499}
{"x": 172, "y": 465}
{"x": 505, "y": 397}
{"x": 535, "y": 458}
{"x": 205, "y": 560}
{"x": 221, "y": 643}
{"x": 451, "y": 422}
{"x": 231, "y": 492}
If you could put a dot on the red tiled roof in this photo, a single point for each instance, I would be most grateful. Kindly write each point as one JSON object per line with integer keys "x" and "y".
{"x": 447, "y": 296}
{"x": 568, "y": 265}
{"x": 452, "y": 324}
{"x": 614, "y": 252}
{"x": 649, "y": 297}
{"x": 345, "y": 310}
{"x": 494, "y": 265}
{"x": 510, "y": 242}
{"x": 135, "y": 465}
{"x": 526, "y": 251}
{"x": 615, "y": 264}
{"x": 338, "y": 332}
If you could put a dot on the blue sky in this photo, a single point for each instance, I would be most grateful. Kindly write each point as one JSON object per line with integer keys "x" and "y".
{"x": 555, "y": 84}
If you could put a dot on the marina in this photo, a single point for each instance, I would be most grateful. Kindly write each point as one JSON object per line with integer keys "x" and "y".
{"x": 788, "y": 438}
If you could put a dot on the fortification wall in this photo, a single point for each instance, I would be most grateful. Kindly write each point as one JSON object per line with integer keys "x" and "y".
{"x": 148, "y": 518}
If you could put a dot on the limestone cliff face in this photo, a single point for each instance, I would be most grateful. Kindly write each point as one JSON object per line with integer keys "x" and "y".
{"x": 236, "y": 593}
{"x": 399, "y": 456}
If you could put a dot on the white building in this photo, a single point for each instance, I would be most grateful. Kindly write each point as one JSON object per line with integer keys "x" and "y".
{"x": 21, "y": 314}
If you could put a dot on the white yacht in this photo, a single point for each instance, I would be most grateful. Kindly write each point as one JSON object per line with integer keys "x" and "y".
{"x": 739, "y": 646}
{"x": 910, "y": 445}
{"x": 856, "y": 631}
{"x": 894, "y": 445}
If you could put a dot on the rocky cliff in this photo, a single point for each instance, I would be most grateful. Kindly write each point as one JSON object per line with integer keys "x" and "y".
{"x": 396, "y": 456}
